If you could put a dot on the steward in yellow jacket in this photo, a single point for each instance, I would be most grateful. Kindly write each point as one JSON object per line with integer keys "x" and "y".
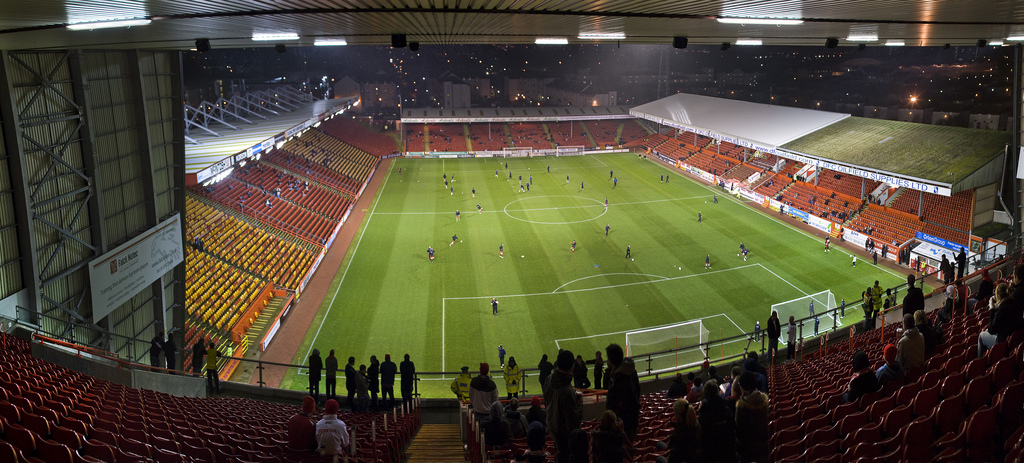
{"x": 513, "y": 376}
{"x": 460, "y": 385}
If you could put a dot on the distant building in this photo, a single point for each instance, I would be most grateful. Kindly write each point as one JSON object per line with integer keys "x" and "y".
{"x": 346, "y": 87}
{"x": 456, "y": 95}
{"x": 984, "y": 121}
{"x": 377, "y": 95}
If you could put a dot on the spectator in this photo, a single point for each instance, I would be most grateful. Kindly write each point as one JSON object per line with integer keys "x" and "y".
{"x": 947, "y": 270}
{"x": 598, "y": 369}
{"x": 516, "y": 420}
{"x": 331, "y": 433}
{"x": 536, "y": 412}
{"x": 914, "y": 300}
{"x": 301, "y": 429}
{"x": 372, "y": 377}
{"x": 482, "y": 392}
{"x": 730, "y": 389}
{"x": 579, "y": 374}
{"x": 331, "y": 376}
{"x": 1005, "y": 321}
{"x": 961, "y": 263}
{"x": 564, "y": 407}
{"x": 198, "y": 351}
{"x": 677, "y": 389}
{"x": 752, "y": 434}
{"x": 316, "y": 366}
{"x": 608, "y": 441}
{"x": 932, "y": 337}
{"x": 579, "y": 446}
{"x": 623, "y": 389}
{"x": 696, "y": 392}
{"x": 791, "y": 338}
{"x": 408, "y": 372}
{"x": 170, "y": 351}
{"x": 774, "y": 333}
{"x": 682, "y": 443}
{"x": 864, "y": 380}
{"x": 536, "y": 439}
{"x": 717, "y": 427}
{"x": 362, "y": 391}
{"x": 155, "y": 347}
{"x": 891, "y": 370}
{"x": 910, "y": 348}
{"x": 545, "y": 368}
{"x": 387, "y": 381}
{"x": 513, "y": 377}
{"x": 212, "y": 377}
{"x": 350, "y": 382}
{"x": 985, "y": 290}
{"x": 460, "y": 385}
{"x": 760, "y": 374}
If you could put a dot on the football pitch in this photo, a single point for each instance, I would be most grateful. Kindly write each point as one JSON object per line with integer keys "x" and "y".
{"x": 388, "y": 297}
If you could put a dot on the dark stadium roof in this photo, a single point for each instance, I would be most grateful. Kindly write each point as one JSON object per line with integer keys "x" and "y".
{"x": 231, "y": 23}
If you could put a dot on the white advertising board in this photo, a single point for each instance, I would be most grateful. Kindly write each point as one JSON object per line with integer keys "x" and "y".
{"x": 121, "y": 273}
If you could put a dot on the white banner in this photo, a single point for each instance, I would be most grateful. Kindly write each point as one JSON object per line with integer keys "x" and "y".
{"x": 121, "y": 273}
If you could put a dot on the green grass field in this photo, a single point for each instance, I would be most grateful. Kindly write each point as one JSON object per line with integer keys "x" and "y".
{"x": 388, "y": 297}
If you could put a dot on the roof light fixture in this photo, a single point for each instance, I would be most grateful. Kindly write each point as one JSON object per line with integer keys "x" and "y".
{"x": 551, "y": 41}
{"x": 762, "y": 21}
{"x": 894, "y": 43}
{"x": 275, "y": 37}
{"x": 862, "y": 38}
{"x": 748, "y": 41}
{"x": 85, "y": 26}
{"x": 329, "y": 42}
{"x": 601, "y": 36}
{"x": 1015, "y": 38}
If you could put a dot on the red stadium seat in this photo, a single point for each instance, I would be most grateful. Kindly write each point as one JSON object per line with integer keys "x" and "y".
{"x": 53, "y": 452}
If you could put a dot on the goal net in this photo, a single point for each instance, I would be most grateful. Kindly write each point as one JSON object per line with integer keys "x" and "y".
{"x": 691, "y": 336}
{"x": 818, "y": 305}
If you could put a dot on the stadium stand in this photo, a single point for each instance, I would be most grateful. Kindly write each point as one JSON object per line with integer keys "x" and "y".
{"x": 286, "y": 186}
{"x": 846, "y": 184}
{"x": 605, "y": 133}
{"x": 359, "y": 136}
{"x": 529, "y": 135}
{"x": 488, "y": 137}
{"x": 415, "y": 138}
{"x": 319, "y": 148}
{"x": 632, "y": 131}
{"x": 954, "y": 211}
{"x": 447, "y": 137}
{"x": 315, "y": 172}
{"x": 53, "y": 414}
{"x": 569, "y": 134}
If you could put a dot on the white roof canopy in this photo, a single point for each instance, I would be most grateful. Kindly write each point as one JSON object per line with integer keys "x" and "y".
{"x": 760, "y": 125}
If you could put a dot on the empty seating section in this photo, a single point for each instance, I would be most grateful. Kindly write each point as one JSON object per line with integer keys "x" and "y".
{"x": 416, "y": 138}
{"x": 820, "y": 202}
{"x": 763, "y": 161}
{"x": 55, "y": 414}
{"x": 846, "y": 184}
{"x": 569, "y": 134}
{"x": 605, "y": 133}
{"x": 446, "y": 137}
{"x": 529, "y": 135}
{"x": 957, "y": 408}
{"x": 488, "y": 137}
{"x": 742, "y": 172}
{"x": 632, "y": 131}
{"x": 708, "y": 160}
{"x": 647, "y": 141}
{"x": 217, "y": 293}
{"x": 319, "y": 148}
{"x": 885, "y": 228}
{"x": 954, "y": 211}
{"x": 293, "y": 189}
{"x": 243, "y": 245}
{"x": 262, "y": 205}
{"x": 358, "y": 136}
{"x": 315, "y": 171}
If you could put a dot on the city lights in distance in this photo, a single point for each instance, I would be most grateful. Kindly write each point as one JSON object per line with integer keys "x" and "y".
{"x": 862, "y": 38}
{"x": 277, "y": 36}
{"x": 551, "y": 41}
{"x": 85, "y": 26}
{"x": 762, "y": 21}
{"x": 329, "y": 42}
{"x": 602, "y": 35}
{"x": 748, "y": 41}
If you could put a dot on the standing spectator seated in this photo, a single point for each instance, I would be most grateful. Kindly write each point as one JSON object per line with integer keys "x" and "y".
{"x": 891, "y": 370}
{"x": 910, "y": 348}
{"x": 717, "y": 427}
{"x": 760, "y": 375}
{"x": 682, "y": 443}
{"x": 536, "y": 440}
{"x": 483, "y": 392}
{"x": 752, "y": 434}
{"x": 331, "y": 433}
{"x": 864, "y": 380}
{"x": 496, "y": 429}
{"x": 696, "y": 393}
{"x": 608, "y": 440}
{"x": 301, "y": 429}
{"x": 536, "y": 412}
{"x": 516, "y": 421}
{"x": 914, "y": 300}
{"x": 932, "y": 337}
{"x": 677, "y": 389}
{"x": 1006, "y": 321}
{"x": 985, "y": 290}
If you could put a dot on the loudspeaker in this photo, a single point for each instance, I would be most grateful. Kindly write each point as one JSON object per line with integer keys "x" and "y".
{"x": 862, "y": 47}
{"x": 280, "y": 48}
{"x": 414, "y": 46}
{"x": 831, "y": 42}
{"x": 946, "y": 47}
{"x": 680, "y": 42}
{"x": 202, "y": 45}
{"x": 982, "y": 43}
{"x": 726, "y": 45}
{"x": 397, "y": 40}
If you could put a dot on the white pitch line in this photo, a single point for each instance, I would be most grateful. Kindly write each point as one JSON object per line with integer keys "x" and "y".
{"x": 647, "y": 327}
{"x": 366, "y": 225}
{"x": 442, "y": 334}
{"x": 608, "y": 274}
{"x": 727, "y": 317}
{"x": 783, "y": 279}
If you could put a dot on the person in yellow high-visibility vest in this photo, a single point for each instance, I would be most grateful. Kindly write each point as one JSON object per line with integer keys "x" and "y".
{"x": 460, "y": 385}
{"x": 513, "y": 376}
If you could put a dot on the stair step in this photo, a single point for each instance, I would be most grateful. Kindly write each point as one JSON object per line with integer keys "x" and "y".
{"x": 436, "y": 442}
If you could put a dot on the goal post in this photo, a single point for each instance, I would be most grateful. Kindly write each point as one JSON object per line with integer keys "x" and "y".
{"x": 691, "y": 335}
{"x": 823, "y": 303}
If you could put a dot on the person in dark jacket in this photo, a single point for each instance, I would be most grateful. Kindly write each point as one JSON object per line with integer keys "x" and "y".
{"x": 198, "y": 351}
{"x": 1007, "y": 318}
{"x": 932, "y": 337}
{"x": 752, "y": 433}
{"x": 985, "y": 290}
{"x": 408, "y": 371}
{"x": 545, "y": 368}
{"x": 677, "y": 389}
{"x": 536, "y": 412}
{"x": 598, "y": 369}
{"x": 579, "y": 374}
{"x": 864, "y": 379}
{"x": 387, "y": 381}
{"x": 170, "y": 353}
{"x": 623, "y": 389}
{"x": 608, "y": 442}
{"x": 914, "y": 300}
{"x": 564, "y": 406}
{"x": 961, "y": 263}
{"x": 372, "y": 376}
{"x": 774, "y": 333}
{"x": 496, "y": 430}
{"x": 682, "y": 444}
{"x": 717, "y": 427}
{"x": 331, "y": 376}
{"x": 351, "y": 383}
{"x": 316, "y": 366}
{"x": 155, "y": 347}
